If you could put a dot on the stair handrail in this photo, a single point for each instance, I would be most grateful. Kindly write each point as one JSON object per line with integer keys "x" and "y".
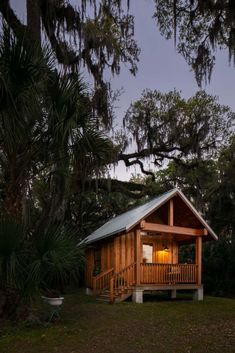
{"x": 101, "y": 281}
{"x": 129, "y": 281}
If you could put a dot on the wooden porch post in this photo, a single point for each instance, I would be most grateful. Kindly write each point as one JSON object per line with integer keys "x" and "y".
{"x": 171, "y": 223}
{"x": 198, "y": 256}
{"x": 171, "y": 213}
{"x": 137, "y": 255}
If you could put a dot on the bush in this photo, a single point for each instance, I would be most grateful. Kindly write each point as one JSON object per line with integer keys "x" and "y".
{"x": 30, "y": 264}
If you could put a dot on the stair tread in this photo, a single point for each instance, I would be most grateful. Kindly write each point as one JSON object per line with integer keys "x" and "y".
{"x": 120, "y": 295}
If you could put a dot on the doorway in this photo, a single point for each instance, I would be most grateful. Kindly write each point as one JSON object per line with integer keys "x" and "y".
{"x": 147, "y": 253}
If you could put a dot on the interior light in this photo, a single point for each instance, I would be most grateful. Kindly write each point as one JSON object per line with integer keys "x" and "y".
{"x": 165, "y": 247}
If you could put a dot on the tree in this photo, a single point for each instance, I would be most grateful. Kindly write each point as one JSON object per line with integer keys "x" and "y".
{"x": 168, "y": 127}
{"x": 21, "y": 122}
{"x": 197, "y": 178}
{"x": 199, "y": 27}
{"x": 48, "y": 131}
{"x": 95, "y": 35}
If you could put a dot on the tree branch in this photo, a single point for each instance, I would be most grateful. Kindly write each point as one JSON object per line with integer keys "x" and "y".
{"x": 11, "y": 18}
{"x": 163, "y": 152}
{"x": 146, "y": 152}
{"x": 144, "y": 171}
{"x": 133, "y": 190}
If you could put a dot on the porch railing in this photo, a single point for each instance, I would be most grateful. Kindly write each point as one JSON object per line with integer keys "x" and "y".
{"x": 102, "y": 281}
{"x": 122, "y": 281}
{"x": 155, "y": 273}
{"x": 150, "y": 273}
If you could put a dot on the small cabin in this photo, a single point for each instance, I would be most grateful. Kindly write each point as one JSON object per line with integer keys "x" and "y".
{"x": 138, "y": 251}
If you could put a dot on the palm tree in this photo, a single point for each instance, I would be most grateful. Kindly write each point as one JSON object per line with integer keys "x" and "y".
{"x": 76, "y": 150}
{"x": 22, "y": 71}
{"x": 46, "y": 123}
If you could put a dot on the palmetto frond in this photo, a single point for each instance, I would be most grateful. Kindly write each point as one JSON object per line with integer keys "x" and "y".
{"x": 21, "y": 73}
{"x": 57, "y": 258}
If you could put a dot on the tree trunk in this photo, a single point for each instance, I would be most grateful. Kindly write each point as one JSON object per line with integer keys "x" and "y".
{"x": 34, "y": 20}
{"x": 13, "y": 203}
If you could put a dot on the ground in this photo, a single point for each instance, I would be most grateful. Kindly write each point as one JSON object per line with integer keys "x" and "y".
{"x": 157, "y": 326}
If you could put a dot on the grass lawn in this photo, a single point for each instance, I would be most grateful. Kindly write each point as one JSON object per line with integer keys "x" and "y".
{"x": 157, "y": 326}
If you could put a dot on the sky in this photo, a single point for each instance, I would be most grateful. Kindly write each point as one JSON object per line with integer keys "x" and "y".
{"x": 161, "y": 68}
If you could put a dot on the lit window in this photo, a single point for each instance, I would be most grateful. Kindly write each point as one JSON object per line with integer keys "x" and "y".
{"x": 147, "y": 253}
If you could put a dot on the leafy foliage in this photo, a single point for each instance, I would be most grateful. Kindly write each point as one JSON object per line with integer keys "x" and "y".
{"x": 30, "y": 264}
{"x": 95, "y": 35}
{"x": 21, "y": 76}
{"x": 57, "y": 259}
{"x": 168, "y": 127}
{"x": 199, "y": 28}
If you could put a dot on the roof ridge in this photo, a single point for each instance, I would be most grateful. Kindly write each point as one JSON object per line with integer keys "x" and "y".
{"x": 145, "y": 203}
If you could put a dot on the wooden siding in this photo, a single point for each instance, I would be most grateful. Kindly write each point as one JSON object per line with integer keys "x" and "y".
{"x": 116, "y": 253}
{"x": 107, "y": 255}
{"x": 89, "y": 267}
{"x": 123, "y": 247}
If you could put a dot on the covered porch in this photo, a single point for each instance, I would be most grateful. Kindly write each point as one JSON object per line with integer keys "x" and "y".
{"x": 143, "y": 275}
{"x": 157, "y": 251}
{"x": 157, "y": 254}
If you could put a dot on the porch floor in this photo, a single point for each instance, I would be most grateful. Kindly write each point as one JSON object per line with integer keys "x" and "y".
{"x": 177, "y": 286}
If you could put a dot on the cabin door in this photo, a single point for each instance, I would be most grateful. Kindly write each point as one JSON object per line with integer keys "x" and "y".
{"x": 146, "y": 269}
{"x": 147, "y": 253}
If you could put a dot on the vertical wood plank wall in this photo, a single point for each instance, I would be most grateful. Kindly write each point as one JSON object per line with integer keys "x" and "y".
{"x": 116, "y": 253}
{"x": 124, "y": 251}
{"x": 107, "y": 255}
{"x": 89, "y": 266}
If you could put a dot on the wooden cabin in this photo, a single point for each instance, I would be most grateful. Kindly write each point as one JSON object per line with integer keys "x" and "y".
{"x": 138, "y": 250}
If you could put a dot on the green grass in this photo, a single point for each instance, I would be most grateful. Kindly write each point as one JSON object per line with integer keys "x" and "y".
{"x": 157, "y": 326}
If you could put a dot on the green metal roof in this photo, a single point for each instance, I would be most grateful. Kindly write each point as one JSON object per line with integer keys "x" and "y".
{"x": 125, "y": 221}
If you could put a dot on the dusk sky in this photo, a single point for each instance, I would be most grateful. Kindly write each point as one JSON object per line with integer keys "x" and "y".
{"x": 160, "y": 68}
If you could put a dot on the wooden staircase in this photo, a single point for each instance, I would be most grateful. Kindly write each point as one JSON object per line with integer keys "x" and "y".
{"x": 105, "y": 296}
{"x": 113, "y": 287}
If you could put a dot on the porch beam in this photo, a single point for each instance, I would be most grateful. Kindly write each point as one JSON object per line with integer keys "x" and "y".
{"x": 162, "y": 228}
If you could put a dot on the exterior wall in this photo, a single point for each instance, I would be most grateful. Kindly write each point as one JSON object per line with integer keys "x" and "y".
{"x": 89, "y": 266}
{"x": 159, "y": 255}
{"x": 107, "y": 254}
{"x": 124, "y": 250}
